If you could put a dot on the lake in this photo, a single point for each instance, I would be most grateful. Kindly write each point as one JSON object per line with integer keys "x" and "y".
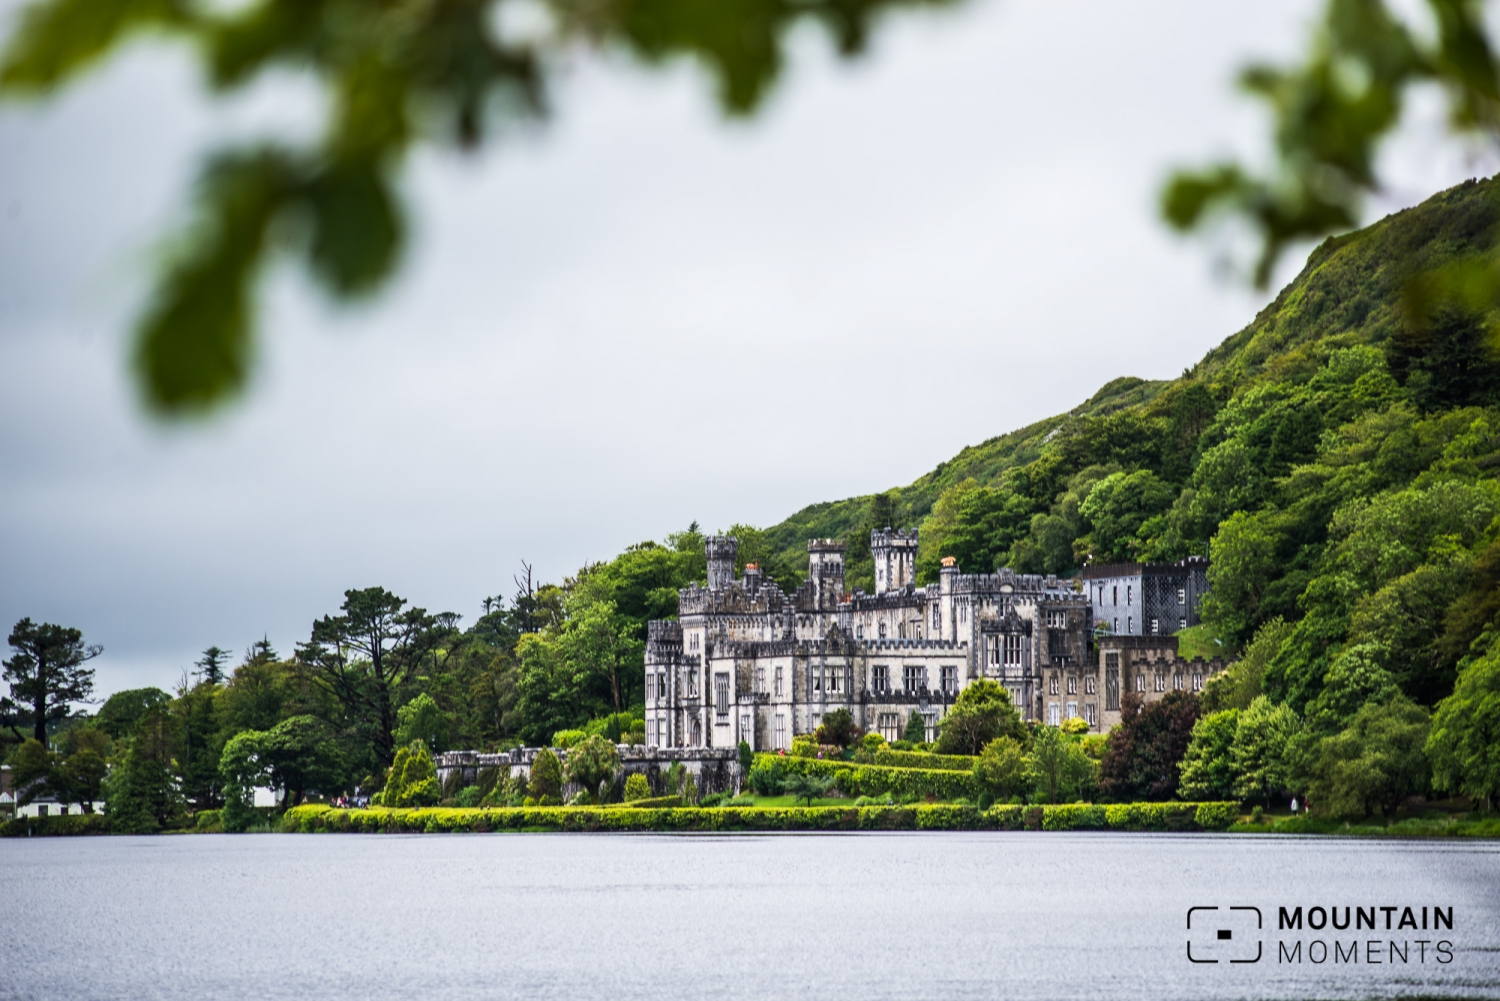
{"x": 822, "y": 916}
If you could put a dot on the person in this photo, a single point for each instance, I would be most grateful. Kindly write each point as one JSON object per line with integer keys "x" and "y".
{"x": 1294, "y": 804}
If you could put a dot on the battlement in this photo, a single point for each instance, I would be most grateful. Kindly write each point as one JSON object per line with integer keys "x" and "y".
{"x": 825, "y": 546}
{"x": 895, "y": 538}
{"x": 721, "y": 551}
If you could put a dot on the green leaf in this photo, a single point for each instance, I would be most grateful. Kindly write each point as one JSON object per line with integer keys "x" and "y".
{"x": 59, "y": 38}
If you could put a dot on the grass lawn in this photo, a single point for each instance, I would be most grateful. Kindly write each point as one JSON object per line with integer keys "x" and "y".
{"x": 750, "y": 799}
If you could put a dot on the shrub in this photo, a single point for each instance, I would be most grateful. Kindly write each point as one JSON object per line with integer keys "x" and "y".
{"x": 874, "y": 780}
{"x": 923, "y": 759}
{"x": 636, "y": 788}
{"x": 916, "y": 728}
{"x": 468, "y": 797}
{"x": 804, "y": 747}
{"x": 1216, "y": 816}
{"x": 1000, "y": 772}
{"x": 654, "y": 802}
{"x": 412, "y": 779}
{"x": 808, "y": 786}
{"x": 546, "y": 776}
{"x": 838, "y": 729}
{"x": 1074, "y": 817}
{"x": 207, "y": 822}
{"x": 565, "y": 739}
{"x": 592, "y": 763}
{"x": 982, "y": 712}
{"x": 767, "y": 775}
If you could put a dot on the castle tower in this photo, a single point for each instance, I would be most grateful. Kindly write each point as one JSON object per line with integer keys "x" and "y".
{"x": 895, "y": 554}
{"x": 721, "y": 550}
{"x": 825, "y": 571}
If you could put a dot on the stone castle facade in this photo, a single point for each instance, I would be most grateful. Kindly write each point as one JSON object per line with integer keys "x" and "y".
{"x": 745, "y": 661}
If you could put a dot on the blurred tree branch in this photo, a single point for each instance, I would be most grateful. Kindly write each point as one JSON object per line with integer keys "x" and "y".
{"x": 400, "y": 73}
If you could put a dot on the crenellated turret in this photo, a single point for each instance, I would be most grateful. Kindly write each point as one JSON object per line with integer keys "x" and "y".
{"x": 895, "y": 555}
{"x": 721, "y": 550}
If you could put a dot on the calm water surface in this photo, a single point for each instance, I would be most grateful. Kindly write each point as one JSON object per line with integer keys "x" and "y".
{"x": 869, "y": 916}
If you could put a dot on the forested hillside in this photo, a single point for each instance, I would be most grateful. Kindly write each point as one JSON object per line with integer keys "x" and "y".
{"x": 1336, "y": 462}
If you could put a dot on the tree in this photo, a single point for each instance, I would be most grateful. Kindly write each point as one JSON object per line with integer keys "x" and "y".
{"x": 1237, "y": 687}
{"x": 746, "y": 757}
{"x": 546, "y": 778}
{"x": 211, "y": 665}
{"x": 141, "y": 793}
{"x": 299, "y": 754}
{"x": 1355, "y": 679}
{"x": 421, "y": 719}
{"x": 240, "y": 771}
{"x": 1141, "y": 759}
{"x": 1057, "y": 766}
{"x": 838, "y": 729}
{"x": 1464, "y": 744}
{"x": 123, "y": 711}
{"x": 982, "y": 712}
{"x": 1375, "y": 763}
{"x": 1207, "y": 770}
{"x": 1118, "y": 506}
{"x": 31, "y": 768}
{"x": 1001, "y": 771}
{"x": 1261, "y": 740}
{"x": 366, "y": 655}
{"x": 593, "y": 763}
{"x": 46, "y": 673}
{"x": 806, "y": 786}
{"x": 916, "y": 728}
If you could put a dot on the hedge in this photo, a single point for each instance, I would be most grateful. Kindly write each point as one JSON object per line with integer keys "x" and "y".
{"x": 61, "y": 826}
{"x": 922, "y": 759}
{"x": 934, "y": 817}
{"x": 878, "y": 780}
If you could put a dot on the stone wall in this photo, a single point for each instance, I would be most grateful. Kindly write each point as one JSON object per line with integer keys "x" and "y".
{"x": 714, "y": 769}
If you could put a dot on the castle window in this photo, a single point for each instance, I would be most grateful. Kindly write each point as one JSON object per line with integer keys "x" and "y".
{"x": 1182, "y": 596}
{"x": 1052, "y": 685}
{"x": 1140, "y": 681}
{"x": 1115, "y": 595}
{"x": 1089, "y": 714}
{"x": 1088, "y": 685}
{"x": 1072, "y": 711}
{"x": 859, "y": 631}
{"x": 661, "y": 685}
{"x": 778, "y": 681}
{"x": 890, "y": 726}
{"x": 781, "y": 743}
{"x": 721, "y": 693}
{"x": 1013, "y": 649}
{"x": 835, "y": 674}
{"x": 1072, "y": 684}
{"x": 882, "y": 630}
{"x": 937, "y": 618}
{"x": 651, "y": 733}
{"x": 1114, "y": 626}
{"x": 1182, "y": 623}
{"x": 760, "y": 679}
{"x": 901, "y": 630}
{"x": 1161, "y": 681}
{"x": 1197, "y": 682}
{"x": 1155, "y": 626}
{"x": 994, "y": 645}
{"x": 1129, "y": 594}
{"x": 1130, "y": 623}
{"x": 817, "y": 678}
{"x": 880, "y": 679}
{"x": 745, "y": 729}
{"x": 914, "y": 679}
{"x": 1177, "y": 682}
{"x": 693, "y": 642}
{"x": 950, "y": 680}
{"x": 1057, "y": 620}
{"x": 1054, "y": 714}
{"x": 963, "y": 613}
{"x": 692, "y": 684}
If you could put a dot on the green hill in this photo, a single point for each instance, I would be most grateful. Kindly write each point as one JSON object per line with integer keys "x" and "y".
{"x": 1285, "y": 453}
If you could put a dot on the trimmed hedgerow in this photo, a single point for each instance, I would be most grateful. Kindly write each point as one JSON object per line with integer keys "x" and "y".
{"x": 924, "y": 760}
{"x": 67, "y": 825}
{"x": 877, "y": 780}
{"x": 921, "y": 817}
{"x": 1073, "y": 817}
{"x": 1216, "y": 816}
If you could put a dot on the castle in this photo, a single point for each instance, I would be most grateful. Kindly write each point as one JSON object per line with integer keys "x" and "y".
{"x": 744, "y": 661}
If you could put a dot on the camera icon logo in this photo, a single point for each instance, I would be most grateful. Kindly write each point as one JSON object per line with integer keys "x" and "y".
{"x": 1224, "y": 934}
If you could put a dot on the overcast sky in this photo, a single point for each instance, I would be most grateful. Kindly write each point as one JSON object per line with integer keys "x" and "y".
{"x": 631, "y": 317}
